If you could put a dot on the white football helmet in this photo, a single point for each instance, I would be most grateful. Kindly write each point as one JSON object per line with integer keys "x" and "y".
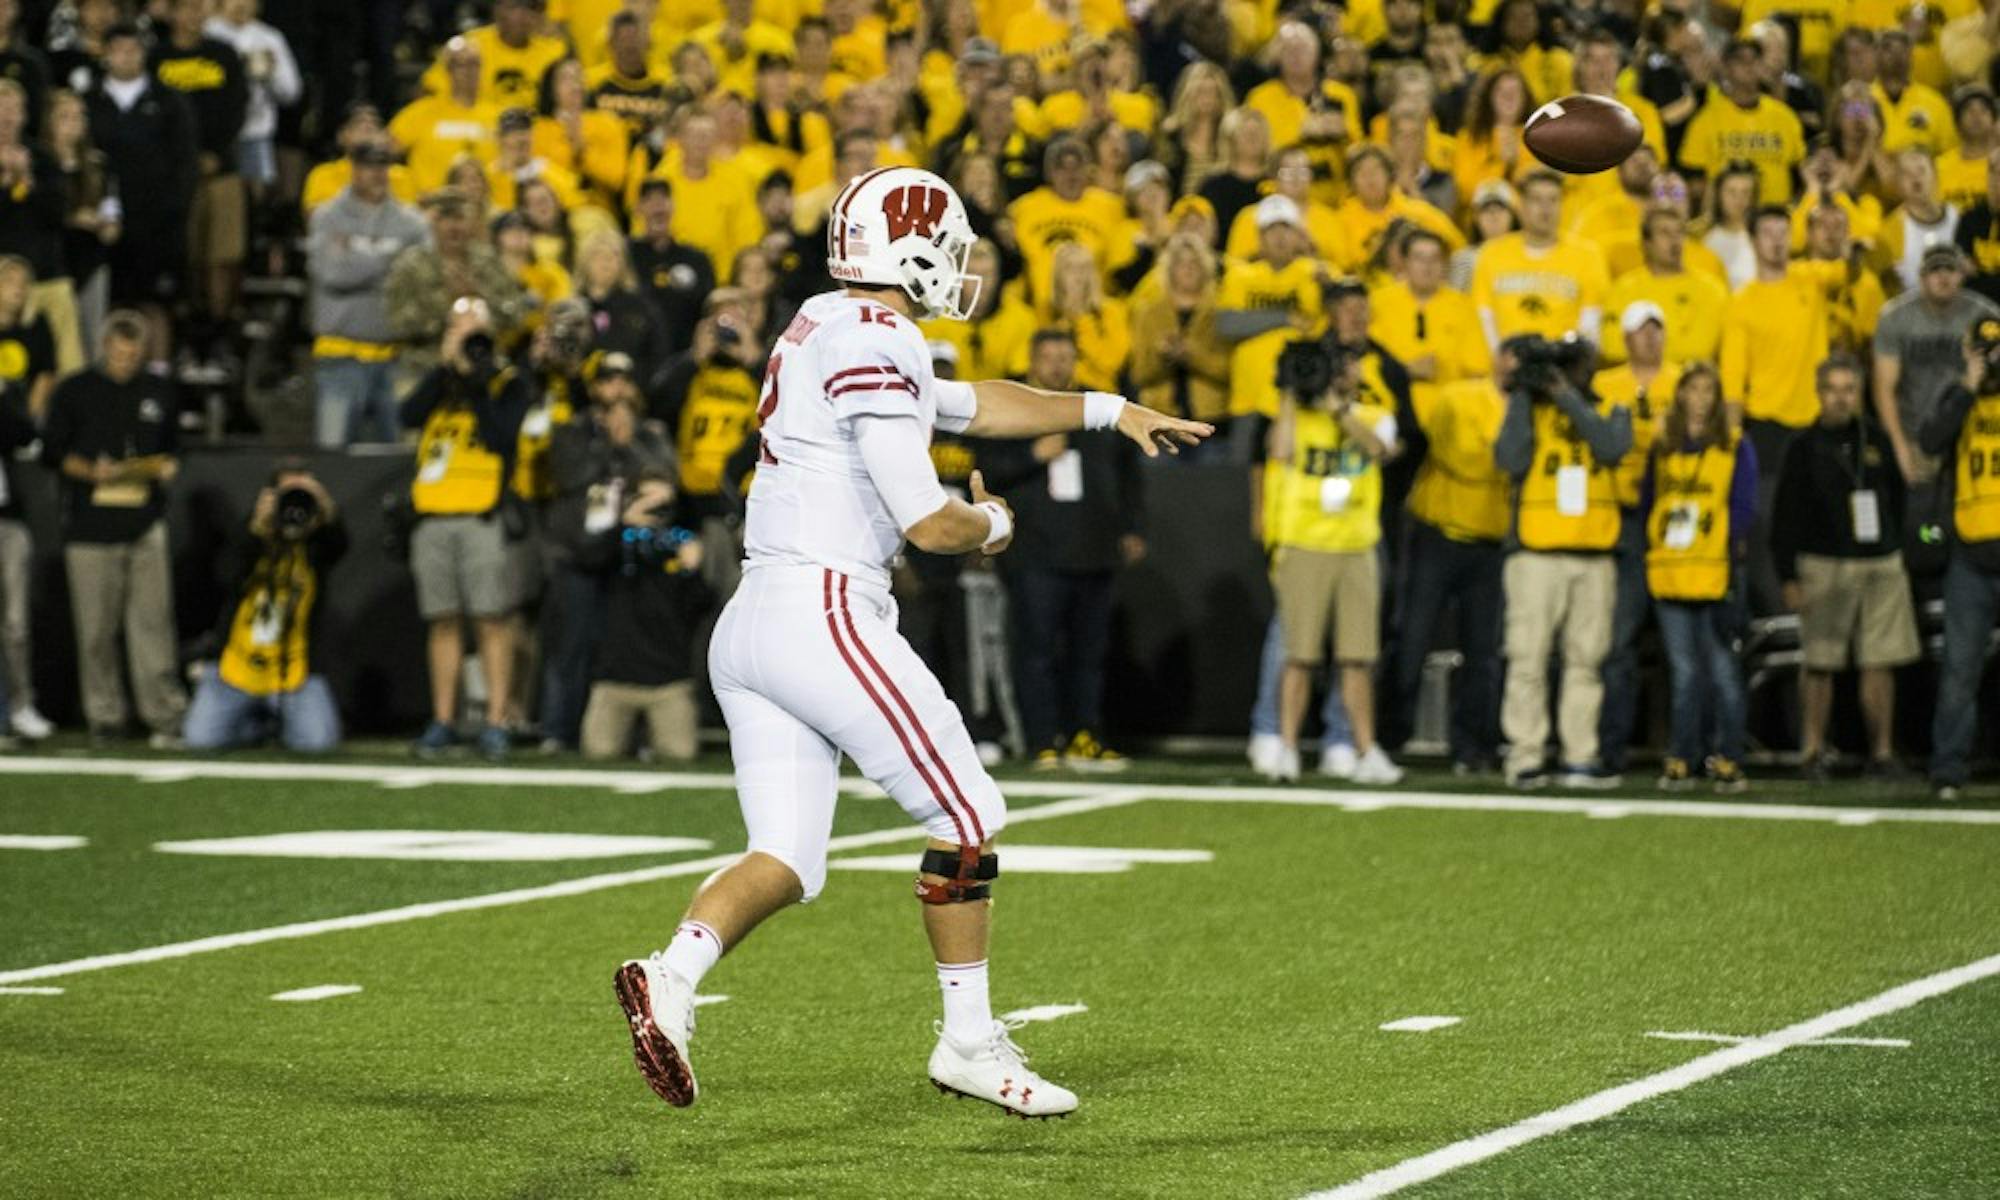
{"x": 905, "y": 228}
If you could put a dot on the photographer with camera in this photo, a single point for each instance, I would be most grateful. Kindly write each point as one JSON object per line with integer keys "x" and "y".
{"x": 596, "y": 460}
{"x": 1326, "y": 449}
{"x": 267, "y": 673}
{"x": 469, "y": 408}
{"x": 1562, "y": 445}
{"x": 645, "y": 662}
{"x": 708, "y": 397}
{"x": 1964, "y": 430}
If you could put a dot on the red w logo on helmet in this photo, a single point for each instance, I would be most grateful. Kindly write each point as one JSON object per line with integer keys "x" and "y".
{"x": 914, "y": 209}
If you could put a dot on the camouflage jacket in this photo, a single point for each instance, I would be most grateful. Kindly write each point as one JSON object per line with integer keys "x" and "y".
{"x": 420, "y": 292}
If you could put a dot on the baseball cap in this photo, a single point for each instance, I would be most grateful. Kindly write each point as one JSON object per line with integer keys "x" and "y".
{"x": 1639, "y": 312}
{"x": 1941, "y": 256}
{"x": 371, "y": 153}
{"x": 1191, "y": 204}
{"x": 613, "y": 363}
{"x": 1496, "y": 191}
{"x": 980, "y": 50}
{"x": 1279, "y": 210}
{"x": 515, "y": 120}
{"x": 1146, "y": 171}
{"x": 1972, "y": 93}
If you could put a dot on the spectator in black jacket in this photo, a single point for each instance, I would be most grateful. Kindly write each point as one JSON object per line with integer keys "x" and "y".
{"x": 645, "y": 664}
{"x": 1837, "y": 540}
{"x": 267, "y": 680}
{"x": 596, "y": 461}
{"x": 147, "y": 134}
{"x": 34, "y": 206}
{"x": 17, "y": 548}
{"x": 210, "y": 74}
{"x": 23, "y": 64}
{"x": 626, "y": 321}
{"x": 1078, "y": 510}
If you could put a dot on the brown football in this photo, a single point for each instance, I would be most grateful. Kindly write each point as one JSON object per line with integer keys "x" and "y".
{"x": 1582, "y": 135}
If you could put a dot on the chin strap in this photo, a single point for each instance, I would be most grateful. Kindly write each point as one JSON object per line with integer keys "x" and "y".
{"x": 966, "y": 872}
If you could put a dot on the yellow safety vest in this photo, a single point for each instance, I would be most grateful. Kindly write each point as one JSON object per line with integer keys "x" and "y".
{"x": 266, "y": 650}
{"x": 1568, "y": 500}
{"x": 1976, "y": 507}
{"x": 1687, "y": 533}
{"x": 721, "y": 409}
{"x": 1330, "y": 493}
{"x": 456, "y": 474}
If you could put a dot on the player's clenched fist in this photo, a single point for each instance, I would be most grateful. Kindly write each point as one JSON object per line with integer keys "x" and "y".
{"x": 981, "y": 496}
{"x": 1156, "y": 431}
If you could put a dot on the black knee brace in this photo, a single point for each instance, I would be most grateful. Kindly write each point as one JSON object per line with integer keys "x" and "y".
{"x": 967, "y": 874}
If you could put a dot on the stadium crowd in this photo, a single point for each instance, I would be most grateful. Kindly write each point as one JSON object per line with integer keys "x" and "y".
{"x": 1745, "y": 372}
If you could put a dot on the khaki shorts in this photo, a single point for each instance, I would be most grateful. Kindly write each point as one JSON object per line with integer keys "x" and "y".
{"x": 462, "y": 568}
{"x": 219, "y": 224}
{"x": 1320, "y": 593}
{"x": 1857, "y": 605}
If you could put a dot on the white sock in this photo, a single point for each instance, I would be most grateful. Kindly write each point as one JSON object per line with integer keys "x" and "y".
{"x": 693, "y": 951}
{"x": 968, "y": 1015}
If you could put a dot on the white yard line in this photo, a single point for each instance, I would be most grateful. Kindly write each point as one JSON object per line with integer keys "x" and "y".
{"x": 43, "y": 841}
{"x": 322, "y": 991}
{"x": 649, "y": 782}
{"x": 30, "y": 991}
{"x": 1426, "y": 1167}
{"x": 1731, "y": 1039}
{"x": 1091, "y": 800}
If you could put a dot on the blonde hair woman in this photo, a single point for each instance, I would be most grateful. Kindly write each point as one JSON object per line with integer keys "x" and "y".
{"x": 1178, "y": 364}
{"x": 626, "y": 321}
{"x": 1190, "y": 139}
{"x": 1099, "y": 325}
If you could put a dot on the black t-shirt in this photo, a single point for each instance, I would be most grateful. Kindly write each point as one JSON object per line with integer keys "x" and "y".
{"x": 1978, "y": 235}
{"x": 210, "y": 75}
{"x": 93, "y": 416}
{"x": 27, "y": 352}
{"x": 1229, "y": 194}
{"x": 677, "y": 279}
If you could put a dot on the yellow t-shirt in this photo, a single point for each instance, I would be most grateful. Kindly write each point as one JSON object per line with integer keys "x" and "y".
{"x": 1919, "y": 119}
{"x": 1330, "y": 493}
{"x": 1961, "y": 180}
{"x": 1864, "y": 215}
{"x": 1363, "y": 227}
{"x": 1773, "y": 338}
{"x": 1926, "y": 64}
{"x": 1649, "y": 405}
{"x": 1253, "y": 363}
{"x": 1767, "y": 136}
{"x": 738, "y": 72}
{"x": 1044, "y": 220}
{"x": 860, "y": 53}
{"x": 994, "y": 347}
{"x": 1538, "y": 291}
{"x": 1459, "y": 489}
{"x": 1103, "y": 343}
{"x": 504, "y": 184}
{"x": 716, "y": 214}
{"x": 1040, "y": 36}
{"x": 1446, "y": 327}
{"x": 329, "y": 179}
{"x": 606, "y": 151}
{"x": 508, "y": 77}
{"x": 1286, "y": 113}
{"x": 1067, "y": 110}
{"x": 588, "y": 26}
{"x": 1693, "y": 302}
{"x": 1550, "y": 71}
{"x": 435, "y": 131}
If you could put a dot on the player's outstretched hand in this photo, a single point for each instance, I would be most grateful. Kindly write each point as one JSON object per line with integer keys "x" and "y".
{"x": 1156, "y": 431}
{"x": 980, "y": 495}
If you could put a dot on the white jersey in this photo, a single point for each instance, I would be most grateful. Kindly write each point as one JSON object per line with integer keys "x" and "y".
{"x": 813, "y": 502}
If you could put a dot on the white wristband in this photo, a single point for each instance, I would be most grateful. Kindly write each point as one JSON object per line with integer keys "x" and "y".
{"x": 1101, "y": 410}
{"x": 1002, "y": 525}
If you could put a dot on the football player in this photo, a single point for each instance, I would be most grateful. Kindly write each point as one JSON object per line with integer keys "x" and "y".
{"x": 806, "y": 659}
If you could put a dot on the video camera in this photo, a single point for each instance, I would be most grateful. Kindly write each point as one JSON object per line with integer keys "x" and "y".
{"x": 297, "y": 514}
{"x": 1308, "y": 367}
{"x": 1541, "y": 363}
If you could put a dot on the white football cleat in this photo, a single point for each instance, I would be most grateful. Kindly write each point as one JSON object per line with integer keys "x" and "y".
{"x": 659, "y": 1005}
{"x": 995, "y": 1070}
{"x": 1375, "y": 767}
{"x": 1338, "y": 761}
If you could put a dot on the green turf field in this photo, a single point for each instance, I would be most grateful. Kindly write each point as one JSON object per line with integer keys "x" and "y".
{"x": 1232, "y": 1043}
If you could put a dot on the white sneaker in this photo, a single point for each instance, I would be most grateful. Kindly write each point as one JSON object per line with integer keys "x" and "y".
{"x": 1264, "y": 751}
{"x": 660, "y": 1007}
{"x": 31, "y": 724}
{"x": 1282, "y": 767}
{"x": 995, "y": 1070}
{"x": 1374, "y": 767}
{"x": 1338, "y": 761}
{"x": 165, "y": 741}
